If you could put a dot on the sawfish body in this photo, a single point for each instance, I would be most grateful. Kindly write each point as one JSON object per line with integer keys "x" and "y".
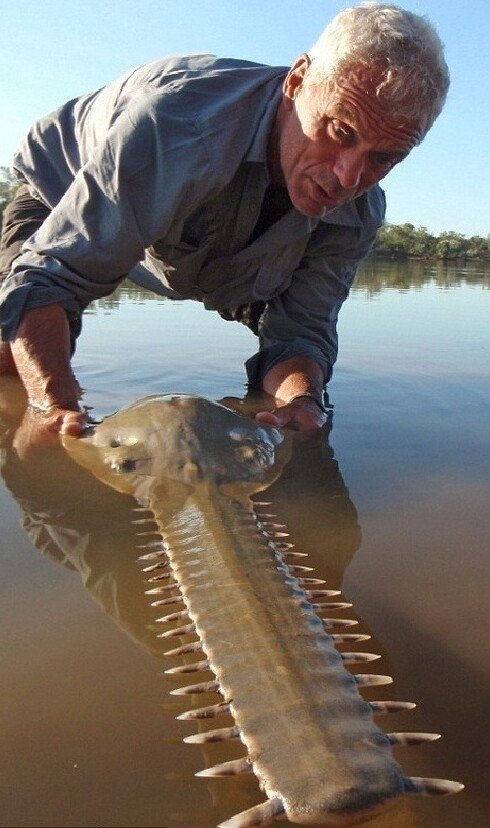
{"x": 310, "y": 737}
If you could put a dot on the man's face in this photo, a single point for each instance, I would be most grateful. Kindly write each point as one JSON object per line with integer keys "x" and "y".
{"x": 331, "y": 145}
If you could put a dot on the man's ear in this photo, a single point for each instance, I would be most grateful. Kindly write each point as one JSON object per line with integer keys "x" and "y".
{"x": 294, "y": 78}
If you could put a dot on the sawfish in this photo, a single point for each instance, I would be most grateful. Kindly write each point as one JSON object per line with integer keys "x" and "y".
{"x": 255, "y": 613}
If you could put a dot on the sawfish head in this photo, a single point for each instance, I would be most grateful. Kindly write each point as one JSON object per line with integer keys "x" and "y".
{"x": 178, "y": 441}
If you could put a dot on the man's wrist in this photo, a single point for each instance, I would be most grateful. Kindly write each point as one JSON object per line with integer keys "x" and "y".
{"x": 44, "y": 408}
{"x": 316, "y": 396}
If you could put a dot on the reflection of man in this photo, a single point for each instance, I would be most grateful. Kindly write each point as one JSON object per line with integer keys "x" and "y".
{"x": 246, "y": 187}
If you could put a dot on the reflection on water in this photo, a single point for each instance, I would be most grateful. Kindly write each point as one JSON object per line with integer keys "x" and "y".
{"x": 89, "y": 734}
{"x": 379, "y": 274}
{"x": 376, "y": 274}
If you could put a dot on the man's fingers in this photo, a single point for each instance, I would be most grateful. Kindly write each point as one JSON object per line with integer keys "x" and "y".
{"x": 301, "y": 415}
{"x": 62, "y": 420}
{"x": 73, "y": 423}
{"x": 41, "y": 429}
{"x": 269, "y": 418}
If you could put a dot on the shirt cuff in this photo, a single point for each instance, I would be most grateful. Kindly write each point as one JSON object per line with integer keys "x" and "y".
{"x": 259, "y": 364}
{"x": 16, "y": 299}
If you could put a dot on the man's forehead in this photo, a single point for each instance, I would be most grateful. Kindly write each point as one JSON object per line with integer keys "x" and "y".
{"x": 354, "y": 99}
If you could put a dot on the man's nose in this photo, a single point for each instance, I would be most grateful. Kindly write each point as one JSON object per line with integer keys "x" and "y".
{"x": 349, "y": 167}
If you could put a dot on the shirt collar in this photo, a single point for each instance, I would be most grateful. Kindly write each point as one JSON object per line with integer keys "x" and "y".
{"x": 347, "y": 215}
{"x": 257, "y": 151}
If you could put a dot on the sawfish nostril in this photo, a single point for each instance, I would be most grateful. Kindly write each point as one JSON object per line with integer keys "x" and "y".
{"x": 123, "y": 466}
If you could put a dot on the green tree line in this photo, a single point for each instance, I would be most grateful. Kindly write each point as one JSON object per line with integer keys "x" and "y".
{"x": 8, "y": 187}
{"x": 401, "y": 241}
{"x": 395, "y": 241}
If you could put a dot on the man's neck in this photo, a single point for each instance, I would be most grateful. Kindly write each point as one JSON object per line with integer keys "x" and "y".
{"x": 273, "y": 151}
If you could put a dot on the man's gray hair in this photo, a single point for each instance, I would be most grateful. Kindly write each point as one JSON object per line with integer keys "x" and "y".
{"x": 406, "y": 47}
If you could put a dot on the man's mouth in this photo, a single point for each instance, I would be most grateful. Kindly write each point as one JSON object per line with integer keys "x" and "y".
{"x": 324, "y": 198}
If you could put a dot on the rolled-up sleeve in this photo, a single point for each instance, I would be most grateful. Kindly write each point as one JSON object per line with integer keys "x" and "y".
{"x": 147, "y": 171}
{"x": 302, "y": 320}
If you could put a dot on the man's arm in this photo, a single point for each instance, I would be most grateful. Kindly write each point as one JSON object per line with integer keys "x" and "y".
{"x": 297, "y": 385}
{"x": 298, "y": 329}
{"x": 111, "y": 212}
{"x": 41, "y": 353}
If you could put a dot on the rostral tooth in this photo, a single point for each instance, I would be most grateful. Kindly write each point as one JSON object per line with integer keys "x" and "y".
{"x": 233, "y": 768}
{"x": 189, "y": 668}
{"x": 202, "y": 687}
{"x": 412, "y": 738}
{"x": 390, "y": 706}
{"x": 437, "y": 787}
{"x": 295, "y": 555}
{"x": 328, "y": 623}
{"x": 174, "y": 599}
{"x": 163, "y": 576}
{"x": 155, "y": 566}
{"x": 157, "y": 545}
{"x": 187, "y": 628}
{"x": 221, "y": 735}
{"x": 159, "y": 590}
{"x": 209, "y": 712}
{"x": 192, "y": 647}
{"x": 323, "y": 593}
{"x": 371, "y": 679}
{"x": 347, "y": 638}
{"x": 174, "y": 616}
{"x": 335, "y": 605}
{"x": 358, "y": 658}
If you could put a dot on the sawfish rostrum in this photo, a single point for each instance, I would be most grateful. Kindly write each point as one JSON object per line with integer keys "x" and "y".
{"x": 255, "y": 613}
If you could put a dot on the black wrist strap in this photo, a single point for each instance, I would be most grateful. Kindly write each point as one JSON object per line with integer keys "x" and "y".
{"x": 316, "y": 396}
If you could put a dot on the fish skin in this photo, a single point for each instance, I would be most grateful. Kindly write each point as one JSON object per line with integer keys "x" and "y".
{"x": 311, "y": 738}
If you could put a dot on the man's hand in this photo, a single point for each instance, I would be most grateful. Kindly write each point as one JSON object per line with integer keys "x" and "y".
{"x": 39, "y": 429}
{"x": 41, "y": 355}
{"x": 292, "y": 381}
{"x": 302, "y": 414}
{"x": 56, "y": 419}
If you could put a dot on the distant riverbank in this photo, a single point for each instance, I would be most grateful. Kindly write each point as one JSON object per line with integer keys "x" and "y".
{"x": 405, "y": 241}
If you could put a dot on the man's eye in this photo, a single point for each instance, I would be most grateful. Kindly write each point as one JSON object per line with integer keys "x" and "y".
{"x": 341, "y": 132}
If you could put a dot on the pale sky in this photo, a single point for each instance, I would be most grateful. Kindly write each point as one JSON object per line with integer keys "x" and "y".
{"x": 54, "y": 50}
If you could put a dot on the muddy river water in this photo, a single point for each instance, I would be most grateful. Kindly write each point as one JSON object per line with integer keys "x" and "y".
{"x": 392, "y": 504}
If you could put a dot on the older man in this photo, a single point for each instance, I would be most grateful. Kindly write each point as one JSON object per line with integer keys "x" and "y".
{"x": 250, "y": 188}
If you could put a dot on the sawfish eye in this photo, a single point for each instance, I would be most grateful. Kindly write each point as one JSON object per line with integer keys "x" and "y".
{"x": 123, "y": 440}
{"x": 123, "y": 466}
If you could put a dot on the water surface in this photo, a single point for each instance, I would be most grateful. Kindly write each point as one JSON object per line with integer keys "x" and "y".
{"x": 392, "y": 504}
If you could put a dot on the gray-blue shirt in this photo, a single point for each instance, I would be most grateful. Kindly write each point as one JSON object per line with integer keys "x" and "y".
{"x": 161, "y": 177}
